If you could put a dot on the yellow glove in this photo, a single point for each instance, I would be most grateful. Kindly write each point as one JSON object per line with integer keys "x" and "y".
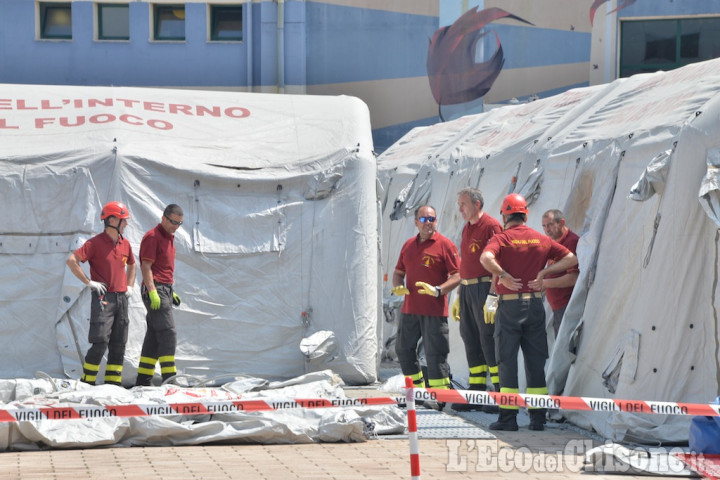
{"x": 400, "y": 290}
{"x": 490, "y": 308}
{"x": 427, "y": 289}
{"x": 455, "y": 310}
{"x": 154, "y": 300}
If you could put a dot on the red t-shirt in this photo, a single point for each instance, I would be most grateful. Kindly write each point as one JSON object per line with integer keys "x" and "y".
{"x": 523, "y": 252}
{"x": 107, "y": 260}
{"x": 158, "y": 247}
{"x": 431, "y": 261}
{"x": 474, "y": 240}
{"x": 559, "y": 297}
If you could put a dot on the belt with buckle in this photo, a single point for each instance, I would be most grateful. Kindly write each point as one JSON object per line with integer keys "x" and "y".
{"x": 473, "y": 281}
{"x": 520, "y": 296}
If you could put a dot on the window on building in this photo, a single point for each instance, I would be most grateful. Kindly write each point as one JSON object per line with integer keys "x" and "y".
{"x": 113, "y": 21}
{"x": 651, "y": 45}
{"x": 169, "y": 22}
{"x": 55, "y": 20}
{"x": 226, "y": 23}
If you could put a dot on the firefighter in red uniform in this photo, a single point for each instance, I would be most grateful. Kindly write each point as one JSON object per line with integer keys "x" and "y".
{"x": 518, "y": 257}
{"x": 558, "y": 287}
{"x": 112, "y": 276}
{"x": 475, "y": 285}
{"x": 428, "y": 263}
{"x": 157, "y": 264}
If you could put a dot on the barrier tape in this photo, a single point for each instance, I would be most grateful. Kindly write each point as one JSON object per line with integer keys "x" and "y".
{"x": 48, "y": 412}
{"x": 21, "y": 414}
{"x": 558, "y": 402}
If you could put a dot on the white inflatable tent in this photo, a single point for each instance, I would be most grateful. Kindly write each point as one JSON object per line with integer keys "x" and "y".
{"x": 634, "y": 166}
{"x": 279, "y": 241}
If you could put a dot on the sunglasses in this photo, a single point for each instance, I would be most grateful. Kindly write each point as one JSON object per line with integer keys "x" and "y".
{"x": 427, "y": 219}
{"x": 174, "y": 222}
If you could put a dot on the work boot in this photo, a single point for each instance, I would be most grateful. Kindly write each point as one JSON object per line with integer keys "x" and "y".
{"x": 507, "y": 421}
{"x": 537, "y": 418}
{"x": 466, "y": 407}
{"x": 143, "y": 380}
{"x": 492, "y": 408}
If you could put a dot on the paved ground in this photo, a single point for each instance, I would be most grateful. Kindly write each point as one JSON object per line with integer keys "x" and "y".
{"x": 555, "y": 453}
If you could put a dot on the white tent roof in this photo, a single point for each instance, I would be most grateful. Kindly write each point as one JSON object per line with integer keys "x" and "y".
{"x": 633, "y": 164}
{"x": 279, "y": 236}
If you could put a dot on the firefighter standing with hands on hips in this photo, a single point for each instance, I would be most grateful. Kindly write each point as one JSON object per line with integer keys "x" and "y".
{"x": 112, "y": 276}
{"x": 428, "y": 264}
{"x": 157, "y": 264}
{"x": 517, "y": 257}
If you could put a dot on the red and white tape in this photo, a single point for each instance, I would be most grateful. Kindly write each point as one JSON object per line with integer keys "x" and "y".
{"x": 567, "y": 403}
{"x": 64, "y": 412}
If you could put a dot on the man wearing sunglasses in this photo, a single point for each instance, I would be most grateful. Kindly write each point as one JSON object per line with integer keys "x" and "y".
{"x": 428, "y": 265}
{"x": 157, "y": 264}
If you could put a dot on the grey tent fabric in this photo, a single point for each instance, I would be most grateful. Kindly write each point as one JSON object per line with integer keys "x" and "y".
{"x": 632, "y": 164}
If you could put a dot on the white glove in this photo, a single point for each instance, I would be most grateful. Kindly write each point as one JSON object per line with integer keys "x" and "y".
{"x": 128, "y": 292}
{"x": 491, "y": 303}
{"x": 99, "y": 287}
{"x": 490, "y": 308}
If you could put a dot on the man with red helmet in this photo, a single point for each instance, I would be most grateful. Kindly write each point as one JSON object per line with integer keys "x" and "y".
{"x": 517, "y": 257}
{"x": 157, "y": 264}
{"x": 112, "y": 276}
{"x": 429, "y": 264}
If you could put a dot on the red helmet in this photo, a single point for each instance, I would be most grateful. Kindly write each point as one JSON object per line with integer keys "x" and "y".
{"x": 514, "y": 203}
{"x": 114, "y": 209}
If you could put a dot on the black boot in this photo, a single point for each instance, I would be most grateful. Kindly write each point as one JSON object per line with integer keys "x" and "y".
{"x": 507, "y": 421}
{"x": 537, "y": 418}
{"x": 143, "y": 380}
{"x": 492, "y": 408}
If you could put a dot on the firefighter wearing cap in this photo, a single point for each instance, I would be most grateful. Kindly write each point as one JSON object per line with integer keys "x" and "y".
{"x": 112, "y": 276}
{"x": 476, "y": 283}
{"x": 428, "y": 264}
{"x": 518, "y": 257}
{"x": 157, "y": 264}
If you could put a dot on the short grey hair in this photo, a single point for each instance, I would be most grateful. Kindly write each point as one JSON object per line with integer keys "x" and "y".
{"x": 556, "y": 215}
{"x": 474, "y": 194}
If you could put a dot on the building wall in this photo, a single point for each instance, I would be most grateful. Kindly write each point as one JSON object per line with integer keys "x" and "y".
{"x": 376, "y": 54}
{"x": 604, "y": 52}
{"x": 138, "y": 62}
{"x": 372, "y": 49}
{"x": 375, "y": 50}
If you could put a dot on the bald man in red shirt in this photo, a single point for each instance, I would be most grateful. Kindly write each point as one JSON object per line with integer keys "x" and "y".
{"x": 428, "y": 264}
